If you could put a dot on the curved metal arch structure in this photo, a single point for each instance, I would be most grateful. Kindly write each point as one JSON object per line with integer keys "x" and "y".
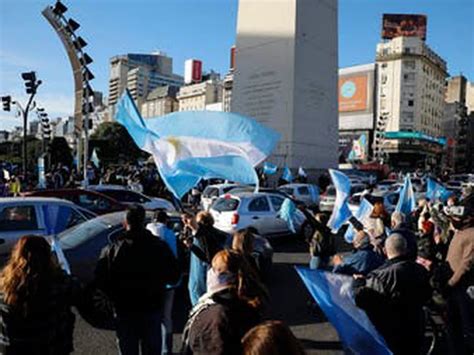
{"x": 67, "y": 36}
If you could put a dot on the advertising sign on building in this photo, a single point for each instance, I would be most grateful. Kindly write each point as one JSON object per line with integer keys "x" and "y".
{"x": 353, "y": 93}
{"x": 397, "y": 25}
{"x": 232, "y": 57}
{"x": 353, "y": 146}
{"x": 192, "y": 71}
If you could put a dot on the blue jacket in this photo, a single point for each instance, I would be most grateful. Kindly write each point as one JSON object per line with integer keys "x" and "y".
{"x": 362, "y": 261}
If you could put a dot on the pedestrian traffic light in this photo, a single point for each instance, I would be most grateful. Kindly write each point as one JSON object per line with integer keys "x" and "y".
{"x": 6, "y": 101}
{"x": 30, "y": 82}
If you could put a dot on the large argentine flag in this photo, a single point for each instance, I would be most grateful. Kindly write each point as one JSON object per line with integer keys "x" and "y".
{"x": 333, "y": 293}
{"x": 341, "y": 212}
{"x": 406, "y": 200}
{"x": 436, "y": 191}
{"x": 194, "y": 145}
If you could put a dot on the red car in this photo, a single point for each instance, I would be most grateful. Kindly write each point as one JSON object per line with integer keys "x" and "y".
{"x": 91, "y": 200}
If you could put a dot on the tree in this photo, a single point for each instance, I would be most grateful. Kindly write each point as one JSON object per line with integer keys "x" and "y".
{"x": 115, "y": 144}
{"x": 60, "y": 152}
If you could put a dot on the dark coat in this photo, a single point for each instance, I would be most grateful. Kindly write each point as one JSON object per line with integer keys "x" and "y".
{"x": 48, "y": 327}
{"x": 393, "y": 296}
{"x": 134, "y": 271}
{"x": 219, "y": 327}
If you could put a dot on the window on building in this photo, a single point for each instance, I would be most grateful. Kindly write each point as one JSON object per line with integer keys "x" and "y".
{"x": 410, "y": 103}
{"x": 409, "y": 64}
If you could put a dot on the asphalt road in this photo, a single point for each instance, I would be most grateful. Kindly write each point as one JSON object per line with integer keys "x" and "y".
{"x": 289, "y": 302}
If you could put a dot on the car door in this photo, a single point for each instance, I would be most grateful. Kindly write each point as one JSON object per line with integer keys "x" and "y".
{"x": 15, "y": 222}
{"x": 261, "y": 214}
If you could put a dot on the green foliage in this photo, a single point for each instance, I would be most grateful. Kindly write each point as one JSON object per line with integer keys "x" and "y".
{"x": 114, "y": 144}
{"x": 60, "y": 152}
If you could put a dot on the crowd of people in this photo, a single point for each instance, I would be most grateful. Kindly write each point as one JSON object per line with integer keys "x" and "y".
{"x": 136, "y": 276}
{"x": 404, "y": 263}
{"x": 400, "y": 264}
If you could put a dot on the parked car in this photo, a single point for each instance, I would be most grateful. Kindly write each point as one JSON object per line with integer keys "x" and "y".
{"x": 127, "y": 197}
{"x": 260, "y": 211}
{"x": 20, "y": 216}
{"x": 82, "y": 245}
{"x": 306, "y": 193}
{"x": 212, "y": 192}
{"x": 90, "y": 200}
{"x": 385, "y": 185}
{"x": 328, "y": 199}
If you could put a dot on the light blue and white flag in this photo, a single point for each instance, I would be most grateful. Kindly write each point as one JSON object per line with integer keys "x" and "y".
{"x": 269, "y": 168}
{"x": 314, "y": 193}
{"x": 333, "y": 293}
{"x": 301, "y": 172}
{"x": 287, "y": 175}
{"x": 406, "y": 200}
{"x": 192, "y": 145}
{"x": 95, "y": 159}
{"x": 341, "y": 212}
{"x": 55, "y": 221}
{"x": 287, "y": 213}
{"x": 436, "y": 191}
{"x": 362, "y": 213}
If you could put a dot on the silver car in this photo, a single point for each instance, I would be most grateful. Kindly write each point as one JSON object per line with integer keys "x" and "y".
{"x": 21, "y": 216}
{"x": 328, "y": 199}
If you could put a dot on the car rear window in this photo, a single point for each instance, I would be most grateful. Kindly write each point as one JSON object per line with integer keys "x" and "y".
{"x": 303, "y": 190}
{"x": 210, "y": 192}
{"x": 226, "y": 205}
{"x": 18, "y": 218}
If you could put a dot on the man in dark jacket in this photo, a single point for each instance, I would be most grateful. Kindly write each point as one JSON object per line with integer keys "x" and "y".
{"x": 399, "y": 226}
{"x": 393, "y": 297}
{"x": 133, "y": 272}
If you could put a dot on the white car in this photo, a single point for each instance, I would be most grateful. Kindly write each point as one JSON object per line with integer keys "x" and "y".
{"x": 127, "y": 196}
{"x": 257, "y": 210}
{"x": 328, "y": 199}
{"x": 21, "y": 216}
{"x": 306, "y": 193}
{"x": 212, "y": 192}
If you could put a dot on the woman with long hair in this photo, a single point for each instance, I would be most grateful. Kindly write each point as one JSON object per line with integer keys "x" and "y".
{"x": 35, "y": 301}
{"x": 231, "y": 306}
{"x": 271, "y": 337}
{"x": 243, "y": 243}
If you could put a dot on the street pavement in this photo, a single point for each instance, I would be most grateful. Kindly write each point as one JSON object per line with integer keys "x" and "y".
{"x": 289, "y": 302}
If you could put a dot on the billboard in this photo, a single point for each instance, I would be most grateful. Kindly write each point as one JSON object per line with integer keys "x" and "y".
{"x": 353, "y": 93}
{"x": 192, "y": 71}
{"x": 353, "y": 146}
{"x": 397, "y": 25}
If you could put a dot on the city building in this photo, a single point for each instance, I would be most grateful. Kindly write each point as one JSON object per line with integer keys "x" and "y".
{"x": 160, "y": 102}
{"x": 470, "y": 97}
{"x": 227, "y": 85}
{"x": 286, "y": 62}
{"x": 34, "y": 128}
{"x": 456, "y": 124}
{"x": 140, "y": 74}
{"x": 357, "y": 109}
{"x": 410, "y": 103}
{"x": 196, "y": 97}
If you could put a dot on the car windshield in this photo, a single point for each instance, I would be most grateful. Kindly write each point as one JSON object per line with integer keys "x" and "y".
{"x": 225, "y": 205}
{"x": 78, "y": 234}
{"x": 331, "y": 191}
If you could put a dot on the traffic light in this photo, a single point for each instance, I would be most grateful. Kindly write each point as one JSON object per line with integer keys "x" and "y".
{"x": 6, "y": 101}
{"x": 46, "y": 127}
{"x": 30, "y": 82}
{"x": 89, "y": 124}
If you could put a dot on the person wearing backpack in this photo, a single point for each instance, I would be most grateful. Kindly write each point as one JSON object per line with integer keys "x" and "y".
{"x": 133, "y": 272}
